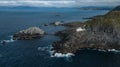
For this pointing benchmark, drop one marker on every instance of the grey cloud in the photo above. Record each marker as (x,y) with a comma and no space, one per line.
(59,3)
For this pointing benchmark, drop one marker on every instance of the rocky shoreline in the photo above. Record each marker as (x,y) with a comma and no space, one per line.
(102,33)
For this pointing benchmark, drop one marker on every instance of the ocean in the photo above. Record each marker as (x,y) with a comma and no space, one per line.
(36,53)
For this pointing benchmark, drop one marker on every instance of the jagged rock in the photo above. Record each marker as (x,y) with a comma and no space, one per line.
(30,33)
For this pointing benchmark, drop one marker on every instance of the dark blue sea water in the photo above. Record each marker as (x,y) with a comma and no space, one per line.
(35,53)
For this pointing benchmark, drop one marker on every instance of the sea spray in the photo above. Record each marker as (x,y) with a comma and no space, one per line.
(8,41)
(60,55)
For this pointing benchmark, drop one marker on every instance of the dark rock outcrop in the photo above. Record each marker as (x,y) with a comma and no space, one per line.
(101,33)
(30,33)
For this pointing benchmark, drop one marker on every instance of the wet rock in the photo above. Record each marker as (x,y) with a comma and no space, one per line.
(30,33)
(46,24)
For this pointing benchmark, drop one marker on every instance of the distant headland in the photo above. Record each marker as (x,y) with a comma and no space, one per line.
(101,33)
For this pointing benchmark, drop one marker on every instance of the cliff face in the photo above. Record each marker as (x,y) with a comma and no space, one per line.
(101,33)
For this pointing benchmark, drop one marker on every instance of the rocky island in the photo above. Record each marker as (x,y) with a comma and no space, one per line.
(102,33)
(30,33)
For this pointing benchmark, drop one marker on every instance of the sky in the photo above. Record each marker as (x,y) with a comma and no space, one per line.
(59,3)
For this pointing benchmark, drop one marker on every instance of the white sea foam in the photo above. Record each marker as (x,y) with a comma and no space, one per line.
(114,50)
(8,41)
(63,55)
(43,48)
(80,29)
(109,50)
(11,40)
(60,55)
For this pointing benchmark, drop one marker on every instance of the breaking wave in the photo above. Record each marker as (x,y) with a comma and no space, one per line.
(109,50)
(8,41)
(113,50)
(60,55)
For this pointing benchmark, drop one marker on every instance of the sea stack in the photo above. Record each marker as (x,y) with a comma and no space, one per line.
(28,34)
